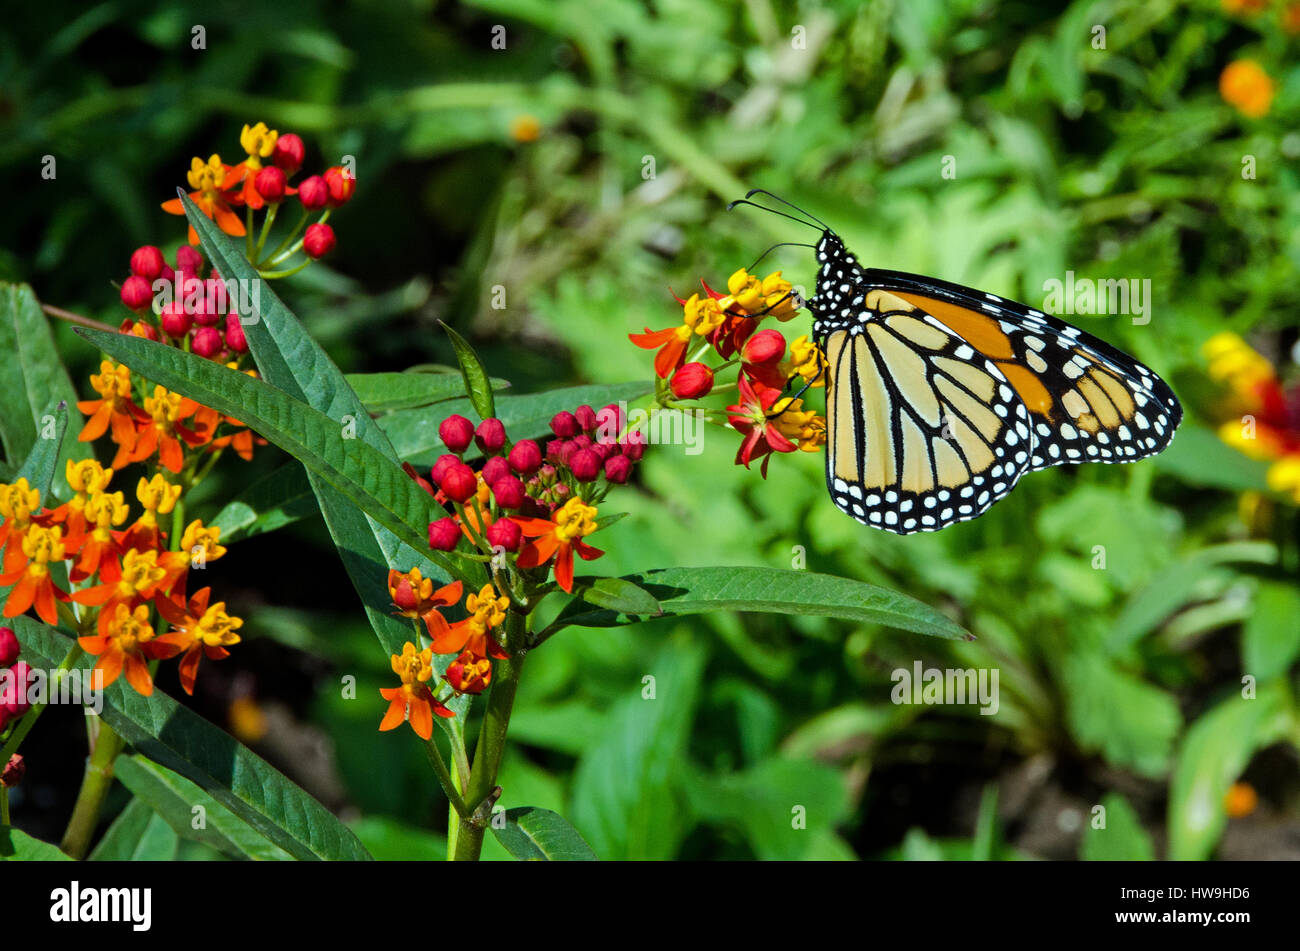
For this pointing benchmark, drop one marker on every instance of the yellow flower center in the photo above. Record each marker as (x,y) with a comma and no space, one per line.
(112,382)
(130,628)
(206,539)
(42,545)
(489,611)
(140,572)
(259,142)
(156,495)
(105,510)
(413,666)
(18,501)
(207,176)
(217,628)
(575,519)
(87,476)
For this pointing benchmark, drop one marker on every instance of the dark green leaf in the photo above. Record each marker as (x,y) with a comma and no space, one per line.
(18,846)
(42,462)
(532,834)
(273,501)
(380,392)
(119,842)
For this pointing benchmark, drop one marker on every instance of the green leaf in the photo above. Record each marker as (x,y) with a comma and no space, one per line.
(629,796)
(391,839)
(364,476)
(174,736)
(532,834)
(119,842)
(32,378)
(158,842)
(1199,457)
(18,846)
(415,432)
(288,358)
(619,594)
(1122,840)
(176,800)
(1270,638)
(277,499)
(1214,752)
(477,384)
(42,462)
(381,392)
(681,591)
(1131,722)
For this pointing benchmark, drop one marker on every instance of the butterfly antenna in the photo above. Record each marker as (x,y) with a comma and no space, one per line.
(743,201)
(788,204)
(783,244)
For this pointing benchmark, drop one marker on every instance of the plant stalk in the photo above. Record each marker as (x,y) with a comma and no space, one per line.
(94,787)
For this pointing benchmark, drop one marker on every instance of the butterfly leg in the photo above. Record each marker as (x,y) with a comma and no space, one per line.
(802,390)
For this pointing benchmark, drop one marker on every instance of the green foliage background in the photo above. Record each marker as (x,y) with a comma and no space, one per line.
(1120,685)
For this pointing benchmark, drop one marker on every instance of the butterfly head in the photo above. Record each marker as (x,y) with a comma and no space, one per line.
(838,275)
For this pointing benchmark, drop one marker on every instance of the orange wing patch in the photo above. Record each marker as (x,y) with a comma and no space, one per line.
(981,332)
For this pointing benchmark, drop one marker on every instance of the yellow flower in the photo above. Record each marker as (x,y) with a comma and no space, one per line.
(208,540)
(807,361)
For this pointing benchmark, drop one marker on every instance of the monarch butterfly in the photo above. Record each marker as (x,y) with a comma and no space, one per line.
(940,397)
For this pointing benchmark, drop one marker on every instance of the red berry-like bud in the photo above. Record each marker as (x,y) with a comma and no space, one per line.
(509,492)
(617,469)
(269,183)
(342,183)
(565,425)
(586,417)
(8,646)
(456,433)
(440,467)
(584,464)
(525,457)
(289,153)
(175,322)
(137,292)
(459,482)
(766,346)
(692,381)
(147,262)
(13,771)
(494,470)
(490,435)
(313,193)
(207,341)
(235,338)
(188,261)
(444,534)
(14,700)
(318,241)
(634,445)
(505,534)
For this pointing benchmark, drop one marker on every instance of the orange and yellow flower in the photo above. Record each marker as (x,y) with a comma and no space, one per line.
(198,629)
(33,585)
(1244,85)
(259,142)
(157,497)
(414,596)
(125,642)
(165,432)
(143,575)
(114,409)
(212,181)
(487,612)
(772,423)
(18,502)
(99,545)
(560,537)
(413,702)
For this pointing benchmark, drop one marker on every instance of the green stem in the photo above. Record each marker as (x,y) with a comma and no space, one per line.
(487,755)
(4,801)
(448,787)
(94,787)
(289,238)
(267,222)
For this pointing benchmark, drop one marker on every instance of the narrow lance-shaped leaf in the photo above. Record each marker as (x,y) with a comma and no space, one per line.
(42,462)
(477,384)
(380,392)
(179,739)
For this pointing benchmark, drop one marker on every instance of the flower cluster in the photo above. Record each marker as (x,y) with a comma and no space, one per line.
(1266,423)
(470,640)
(261,183)
(727,326)
(118,573)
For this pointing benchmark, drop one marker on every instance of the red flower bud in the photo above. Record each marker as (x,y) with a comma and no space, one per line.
(318,241)
(8,646)
(505,534)
(444,534)
(586,417)
(634,445)
(490,435)
(525,457)
(459,482)
(692,381)
(206,341)
(175,322)
(14,701)
(617,469)
(440,467)
(494,470)
(137,292)
(289,153)
(147,262)
(509,492)
(342,183)
(766,346)
(188,261)
(584,464)
(270,183)
(313,193)
(565,425)
(456,433)
(235,338)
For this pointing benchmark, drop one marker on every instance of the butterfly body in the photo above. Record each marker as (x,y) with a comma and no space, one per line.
(941,397)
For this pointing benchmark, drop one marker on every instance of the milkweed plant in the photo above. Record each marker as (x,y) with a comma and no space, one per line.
(463,568)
